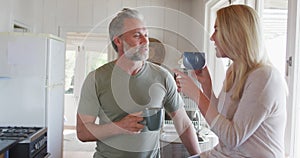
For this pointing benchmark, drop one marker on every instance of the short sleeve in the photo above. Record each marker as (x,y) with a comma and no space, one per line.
(173,99)
(88,102)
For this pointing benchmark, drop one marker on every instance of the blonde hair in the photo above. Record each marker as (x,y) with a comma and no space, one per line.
(241,38)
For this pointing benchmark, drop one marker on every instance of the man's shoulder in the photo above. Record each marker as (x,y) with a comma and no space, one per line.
(103,72)
(159,68)
(105,67)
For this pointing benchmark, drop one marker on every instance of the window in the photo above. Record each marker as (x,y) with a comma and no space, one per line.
(281,20)
(293,76)
(274,18)
(84,53)
(69,71)
(94,60)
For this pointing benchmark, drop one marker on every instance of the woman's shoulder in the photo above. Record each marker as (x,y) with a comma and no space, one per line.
(267,75)
(265,71)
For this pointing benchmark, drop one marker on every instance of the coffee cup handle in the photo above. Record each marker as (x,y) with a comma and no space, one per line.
(143,122)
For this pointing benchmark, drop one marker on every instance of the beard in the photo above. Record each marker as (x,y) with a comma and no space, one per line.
(137,53)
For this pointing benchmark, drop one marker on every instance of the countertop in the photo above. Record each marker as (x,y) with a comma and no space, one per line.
(172,147)
(7,144)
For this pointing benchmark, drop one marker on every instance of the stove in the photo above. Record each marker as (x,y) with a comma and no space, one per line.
(32,141)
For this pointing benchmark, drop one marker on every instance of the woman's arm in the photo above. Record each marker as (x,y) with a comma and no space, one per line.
(186,85)
(186,131)
(259,111)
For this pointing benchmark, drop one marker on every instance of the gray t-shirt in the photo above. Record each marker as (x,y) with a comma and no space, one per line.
(111,94)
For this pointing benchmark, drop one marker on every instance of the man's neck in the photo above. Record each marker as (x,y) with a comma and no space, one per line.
(129,66)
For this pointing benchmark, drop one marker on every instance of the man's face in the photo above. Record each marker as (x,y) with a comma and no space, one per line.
(135,41)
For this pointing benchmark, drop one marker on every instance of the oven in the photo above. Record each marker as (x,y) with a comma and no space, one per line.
(32,141)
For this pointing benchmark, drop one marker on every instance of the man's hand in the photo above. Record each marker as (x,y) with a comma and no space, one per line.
(130,123)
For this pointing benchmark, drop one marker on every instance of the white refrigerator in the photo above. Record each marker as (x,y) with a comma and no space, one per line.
(32,72)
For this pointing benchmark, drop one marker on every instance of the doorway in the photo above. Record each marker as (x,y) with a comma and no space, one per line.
(85,52)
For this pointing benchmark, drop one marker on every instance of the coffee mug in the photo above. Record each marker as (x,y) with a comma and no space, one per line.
(152,118)
(194,60)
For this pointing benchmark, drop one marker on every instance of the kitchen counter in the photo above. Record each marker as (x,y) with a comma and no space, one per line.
(5,145)
(172,147)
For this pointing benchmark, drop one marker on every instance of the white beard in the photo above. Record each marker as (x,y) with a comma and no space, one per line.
(137,53)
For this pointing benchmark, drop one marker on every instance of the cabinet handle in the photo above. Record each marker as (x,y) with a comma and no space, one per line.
(289,63)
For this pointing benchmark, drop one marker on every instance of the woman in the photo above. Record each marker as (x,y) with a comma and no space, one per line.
(249,115)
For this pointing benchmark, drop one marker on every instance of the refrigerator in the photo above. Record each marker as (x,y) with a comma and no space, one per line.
(32,72)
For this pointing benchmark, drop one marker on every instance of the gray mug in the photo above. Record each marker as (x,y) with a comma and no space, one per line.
(152,118)
(194,60)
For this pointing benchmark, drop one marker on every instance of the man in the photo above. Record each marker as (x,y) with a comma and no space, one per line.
(118,91)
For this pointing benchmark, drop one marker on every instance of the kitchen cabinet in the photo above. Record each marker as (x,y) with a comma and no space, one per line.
(5,145)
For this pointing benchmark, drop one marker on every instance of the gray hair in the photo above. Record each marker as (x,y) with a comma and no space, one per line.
(117,23)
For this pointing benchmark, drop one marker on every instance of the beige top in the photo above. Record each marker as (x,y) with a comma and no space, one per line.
(255,125)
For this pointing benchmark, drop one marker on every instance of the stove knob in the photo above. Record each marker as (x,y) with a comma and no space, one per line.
(36,146)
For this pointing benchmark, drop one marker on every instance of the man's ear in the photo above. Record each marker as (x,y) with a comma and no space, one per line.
(117,41)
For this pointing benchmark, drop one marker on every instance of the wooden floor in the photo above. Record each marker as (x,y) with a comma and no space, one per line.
(77,154)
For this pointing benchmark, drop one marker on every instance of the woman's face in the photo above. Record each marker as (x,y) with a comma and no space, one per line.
(219,51)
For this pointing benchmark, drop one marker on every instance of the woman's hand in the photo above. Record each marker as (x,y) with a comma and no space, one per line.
(203,76)
(186,85)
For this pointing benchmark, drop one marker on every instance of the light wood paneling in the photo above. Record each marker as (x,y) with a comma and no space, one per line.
(100,13)
(85,12)
(67,13)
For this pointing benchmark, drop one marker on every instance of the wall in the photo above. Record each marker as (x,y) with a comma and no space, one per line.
(170,21)
(26,13)
(5,13)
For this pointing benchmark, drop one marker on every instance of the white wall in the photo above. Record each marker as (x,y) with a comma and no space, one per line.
(22,12)
(5,13)
(170,21)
